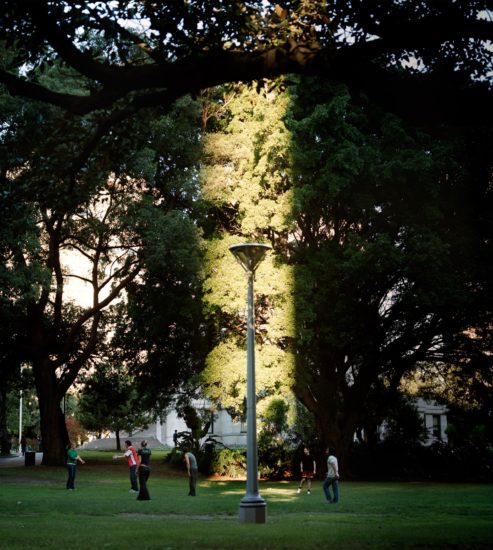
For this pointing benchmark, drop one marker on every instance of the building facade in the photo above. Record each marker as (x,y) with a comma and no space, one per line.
(232,433)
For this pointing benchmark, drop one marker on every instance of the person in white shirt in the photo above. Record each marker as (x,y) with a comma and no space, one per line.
(332,479)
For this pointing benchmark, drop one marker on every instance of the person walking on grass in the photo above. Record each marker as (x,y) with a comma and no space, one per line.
(192,469)
(308,469)
(332,479)
(72,458)
(131,455)
(144,470)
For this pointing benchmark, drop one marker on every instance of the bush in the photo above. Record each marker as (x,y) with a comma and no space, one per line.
(213,458)
(275,455)
(229,462)
(389,460)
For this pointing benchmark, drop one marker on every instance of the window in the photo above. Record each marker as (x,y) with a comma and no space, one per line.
(436,426)
(243,426)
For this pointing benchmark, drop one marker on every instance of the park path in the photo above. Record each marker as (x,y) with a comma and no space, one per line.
(14,461)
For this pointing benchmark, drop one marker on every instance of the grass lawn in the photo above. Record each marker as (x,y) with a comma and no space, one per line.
(36,511)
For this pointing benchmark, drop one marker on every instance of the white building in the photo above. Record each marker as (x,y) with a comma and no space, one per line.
(233,433)
(224,429)
(435,420)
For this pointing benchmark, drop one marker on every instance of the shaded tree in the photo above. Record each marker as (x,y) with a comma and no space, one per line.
(390,247)
(19,279)
(94,209)
(160,330)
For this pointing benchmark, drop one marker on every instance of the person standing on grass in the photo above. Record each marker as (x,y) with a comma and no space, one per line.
(72,458)
(308,469)
(23,444)
(332,479)
(192,469)
(131,455)
(144,470)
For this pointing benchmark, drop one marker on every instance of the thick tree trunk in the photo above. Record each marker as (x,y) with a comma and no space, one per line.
(338,434)
(4,435)
(54,435)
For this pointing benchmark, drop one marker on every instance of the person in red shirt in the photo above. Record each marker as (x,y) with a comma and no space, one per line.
(131,455)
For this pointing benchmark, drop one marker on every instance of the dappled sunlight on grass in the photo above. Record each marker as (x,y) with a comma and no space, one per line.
(285,493)
(280,490)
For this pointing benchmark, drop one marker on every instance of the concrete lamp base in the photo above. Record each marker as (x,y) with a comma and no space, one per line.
(253,512)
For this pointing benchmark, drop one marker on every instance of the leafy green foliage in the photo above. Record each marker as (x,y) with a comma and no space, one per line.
(110,402)
(275,442)
(160,329)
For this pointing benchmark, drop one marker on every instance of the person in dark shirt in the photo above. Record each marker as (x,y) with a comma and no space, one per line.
(308,469)
(144,470)
(23,444)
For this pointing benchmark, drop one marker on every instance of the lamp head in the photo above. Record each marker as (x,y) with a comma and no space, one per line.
(249,255)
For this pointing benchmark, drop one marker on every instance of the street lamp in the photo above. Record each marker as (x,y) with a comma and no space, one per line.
(253,508)
(21,408)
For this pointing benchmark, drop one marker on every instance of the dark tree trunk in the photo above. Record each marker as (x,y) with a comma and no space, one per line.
(54,435)
(336,432)
(118,443)
(5,443)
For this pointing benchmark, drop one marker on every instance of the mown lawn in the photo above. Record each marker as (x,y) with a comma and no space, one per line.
(36,511)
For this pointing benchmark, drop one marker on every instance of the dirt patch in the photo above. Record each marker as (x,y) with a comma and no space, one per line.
(195,517)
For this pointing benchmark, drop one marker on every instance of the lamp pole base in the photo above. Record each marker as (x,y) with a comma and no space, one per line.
(253,511)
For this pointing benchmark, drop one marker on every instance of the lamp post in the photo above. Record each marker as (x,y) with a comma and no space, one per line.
(21,408)
(20,417)
(253,508)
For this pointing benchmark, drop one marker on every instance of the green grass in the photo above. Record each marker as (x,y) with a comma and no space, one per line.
(37,512)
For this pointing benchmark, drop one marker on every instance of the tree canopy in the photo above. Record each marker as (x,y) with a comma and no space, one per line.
(428,59)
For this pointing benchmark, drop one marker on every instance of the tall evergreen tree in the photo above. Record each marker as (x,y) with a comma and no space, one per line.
(245,183)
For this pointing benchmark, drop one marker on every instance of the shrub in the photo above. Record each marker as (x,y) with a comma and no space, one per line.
(229,462)
(275,455)
(390,460)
